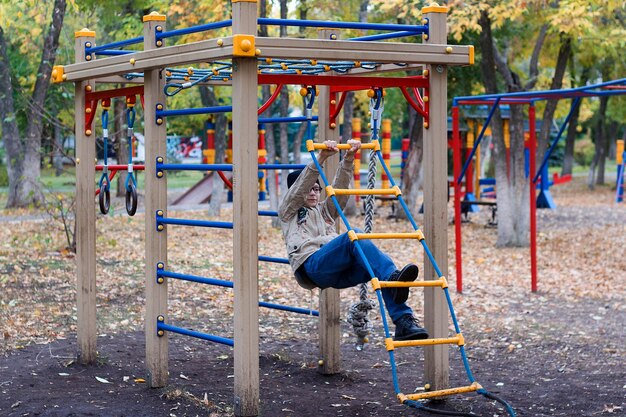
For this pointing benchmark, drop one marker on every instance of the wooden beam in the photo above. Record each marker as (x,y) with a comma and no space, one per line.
(245,218)
(287,48)
(156,199)
(435,209)
(330,311)
(85,214)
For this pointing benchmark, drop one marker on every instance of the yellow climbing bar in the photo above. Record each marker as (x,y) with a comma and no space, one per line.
(395,190)
(457,340)
(441,282)
(411,235)
(439,393)
(312,146)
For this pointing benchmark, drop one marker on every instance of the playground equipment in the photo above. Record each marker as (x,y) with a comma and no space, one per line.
(323,62)
(620,159)
(528,98)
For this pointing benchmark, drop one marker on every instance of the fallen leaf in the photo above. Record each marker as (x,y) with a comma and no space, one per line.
(182,376)
(17,404)
(140,380)
(104,381)
(63,374)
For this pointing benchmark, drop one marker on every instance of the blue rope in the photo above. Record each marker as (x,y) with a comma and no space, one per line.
(130,120)
(104,178)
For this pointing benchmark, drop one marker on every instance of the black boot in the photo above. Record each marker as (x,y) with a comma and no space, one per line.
(408,328)
(408,273)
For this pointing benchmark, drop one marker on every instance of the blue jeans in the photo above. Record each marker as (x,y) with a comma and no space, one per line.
(338,264)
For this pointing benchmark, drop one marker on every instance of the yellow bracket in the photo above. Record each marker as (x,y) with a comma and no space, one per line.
(330,191)
(389,343)
(402,398)
(375,283)
(310,145)
(58,74)
(471,54)
(397,190)
(444,282)
(420,235)
(352,235)
(461,339)
(243,46)
(376,144)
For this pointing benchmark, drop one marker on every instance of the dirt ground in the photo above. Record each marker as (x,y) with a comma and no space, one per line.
(557,352)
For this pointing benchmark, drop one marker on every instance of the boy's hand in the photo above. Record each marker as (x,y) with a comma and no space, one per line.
(355,145)
(331,149)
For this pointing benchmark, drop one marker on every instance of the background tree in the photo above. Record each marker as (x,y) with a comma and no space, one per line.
(23,145)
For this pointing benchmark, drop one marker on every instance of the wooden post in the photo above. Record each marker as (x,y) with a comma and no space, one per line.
(435,202)
(330,312)
(245,181)
(85,210)
(156,199)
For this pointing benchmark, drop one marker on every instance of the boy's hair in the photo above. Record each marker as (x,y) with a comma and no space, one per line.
(293,176)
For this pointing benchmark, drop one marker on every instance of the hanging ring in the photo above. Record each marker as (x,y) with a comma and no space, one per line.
(131,199)
(104,197)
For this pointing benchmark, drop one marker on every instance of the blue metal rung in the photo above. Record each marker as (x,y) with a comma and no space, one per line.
(197,223)
(274,260)
(341,25)
(298,119)
(194,29)
(268,213)
(199,110)
(193,333)
(194,167)
(194,278)
(289,308)
(113,45)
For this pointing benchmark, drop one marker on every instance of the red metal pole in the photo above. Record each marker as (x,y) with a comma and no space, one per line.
(533,199)
(456,158)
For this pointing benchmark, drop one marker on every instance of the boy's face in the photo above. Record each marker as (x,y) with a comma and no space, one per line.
(313,197)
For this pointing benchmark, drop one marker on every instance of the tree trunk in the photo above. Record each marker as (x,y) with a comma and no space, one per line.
(543,139)
(57,160)
(209,99)
(24,156)
(572,128)
(512,187)
(412,179)
(602,142)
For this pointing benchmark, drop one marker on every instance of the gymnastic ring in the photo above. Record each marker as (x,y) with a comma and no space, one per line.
(131,199)
(104,198)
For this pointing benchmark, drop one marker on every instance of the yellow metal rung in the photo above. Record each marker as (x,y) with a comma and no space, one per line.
(411,235)
(441,282)
(375,191)
(310,145)
(441,393)
(457,340)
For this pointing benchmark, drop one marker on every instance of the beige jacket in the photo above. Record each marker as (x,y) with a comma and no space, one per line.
(306,229)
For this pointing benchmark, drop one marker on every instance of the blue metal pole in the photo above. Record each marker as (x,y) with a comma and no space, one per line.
(194,167)
(198,223)
(193,333)
(478,140)
(114,52)
(199,110)
(194,29)
(285,119)
(113,45)
(384,36)
(341,25)
(556,140)
(274,260)
(289,308)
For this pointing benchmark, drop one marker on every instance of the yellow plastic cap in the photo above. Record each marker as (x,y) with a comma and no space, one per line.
(154,17)
(84,32)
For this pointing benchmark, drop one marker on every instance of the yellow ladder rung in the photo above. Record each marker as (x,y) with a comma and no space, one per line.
(411,235)
(457,340)
(441,282)
(364,191)
(310,146)
(440,393)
